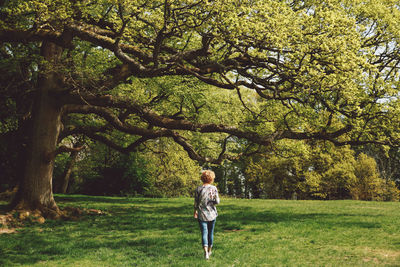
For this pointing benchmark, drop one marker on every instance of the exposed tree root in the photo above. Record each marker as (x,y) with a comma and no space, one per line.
(50,211)
(21,213)
(17,218)
(9,194)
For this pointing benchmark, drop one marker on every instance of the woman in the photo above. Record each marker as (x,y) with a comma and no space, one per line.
(205,199)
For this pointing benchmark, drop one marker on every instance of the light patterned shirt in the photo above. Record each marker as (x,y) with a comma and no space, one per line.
(205,199)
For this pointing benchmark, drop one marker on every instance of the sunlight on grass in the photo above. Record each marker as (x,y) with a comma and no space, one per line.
(162,232)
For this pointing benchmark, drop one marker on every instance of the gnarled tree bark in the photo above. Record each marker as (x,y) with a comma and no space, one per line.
(151,53)
(35,191)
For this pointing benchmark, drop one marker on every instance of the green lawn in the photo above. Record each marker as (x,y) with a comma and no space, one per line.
(162,232)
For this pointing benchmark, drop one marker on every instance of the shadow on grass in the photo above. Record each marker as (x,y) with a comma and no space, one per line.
(147,227)
(96,199)
(143,226)
(238,218)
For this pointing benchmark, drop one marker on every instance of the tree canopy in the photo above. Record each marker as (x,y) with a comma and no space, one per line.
(331,66)
(276,69)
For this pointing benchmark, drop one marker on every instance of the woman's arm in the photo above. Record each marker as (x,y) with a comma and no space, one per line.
(216,200)
(196,204)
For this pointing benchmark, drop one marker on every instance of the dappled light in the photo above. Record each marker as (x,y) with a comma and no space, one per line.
(110,112)
(145,231)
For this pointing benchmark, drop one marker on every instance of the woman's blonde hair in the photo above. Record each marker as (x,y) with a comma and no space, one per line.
(207,176)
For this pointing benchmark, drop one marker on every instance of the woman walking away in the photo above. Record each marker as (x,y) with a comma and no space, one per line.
(205,199)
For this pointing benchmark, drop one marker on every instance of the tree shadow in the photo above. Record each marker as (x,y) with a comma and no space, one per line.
(237,219)
(96,199)
(151,229)
(124,217)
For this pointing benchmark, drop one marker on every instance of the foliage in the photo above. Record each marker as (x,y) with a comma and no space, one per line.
(8,164)
(17,66)
(175,175)
(326,66)
(368,185)
(106,172)
(335,168)
(318,171)
(230,179)
(58,172)
(103,171)
(207,75)
(387,160)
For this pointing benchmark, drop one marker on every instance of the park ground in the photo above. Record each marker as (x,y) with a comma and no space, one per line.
(162,232)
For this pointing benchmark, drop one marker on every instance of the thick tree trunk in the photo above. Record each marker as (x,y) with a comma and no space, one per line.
(35,191)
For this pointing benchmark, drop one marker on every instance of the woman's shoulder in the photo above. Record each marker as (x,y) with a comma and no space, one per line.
(199,188)
(209,187)
(213,187)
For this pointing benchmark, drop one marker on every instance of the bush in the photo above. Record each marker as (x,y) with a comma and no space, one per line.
(127,176)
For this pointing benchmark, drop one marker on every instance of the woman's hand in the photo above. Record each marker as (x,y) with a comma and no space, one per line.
(195,214)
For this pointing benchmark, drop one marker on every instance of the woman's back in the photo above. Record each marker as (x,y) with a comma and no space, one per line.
(206,197)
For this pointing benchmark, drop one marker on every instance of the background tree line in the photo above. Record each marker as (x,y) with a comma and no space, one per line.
(288,170)
(295,170)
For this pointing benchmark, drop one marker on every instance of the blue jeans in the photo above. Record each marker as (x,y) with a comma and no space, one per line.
(207,233)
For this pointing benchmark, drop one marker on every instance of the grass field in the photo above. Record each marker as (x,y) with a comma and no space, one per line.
(162,232)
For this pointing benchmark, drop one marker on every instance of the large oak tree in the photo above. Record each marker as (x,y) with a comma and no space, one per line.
(325,70)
